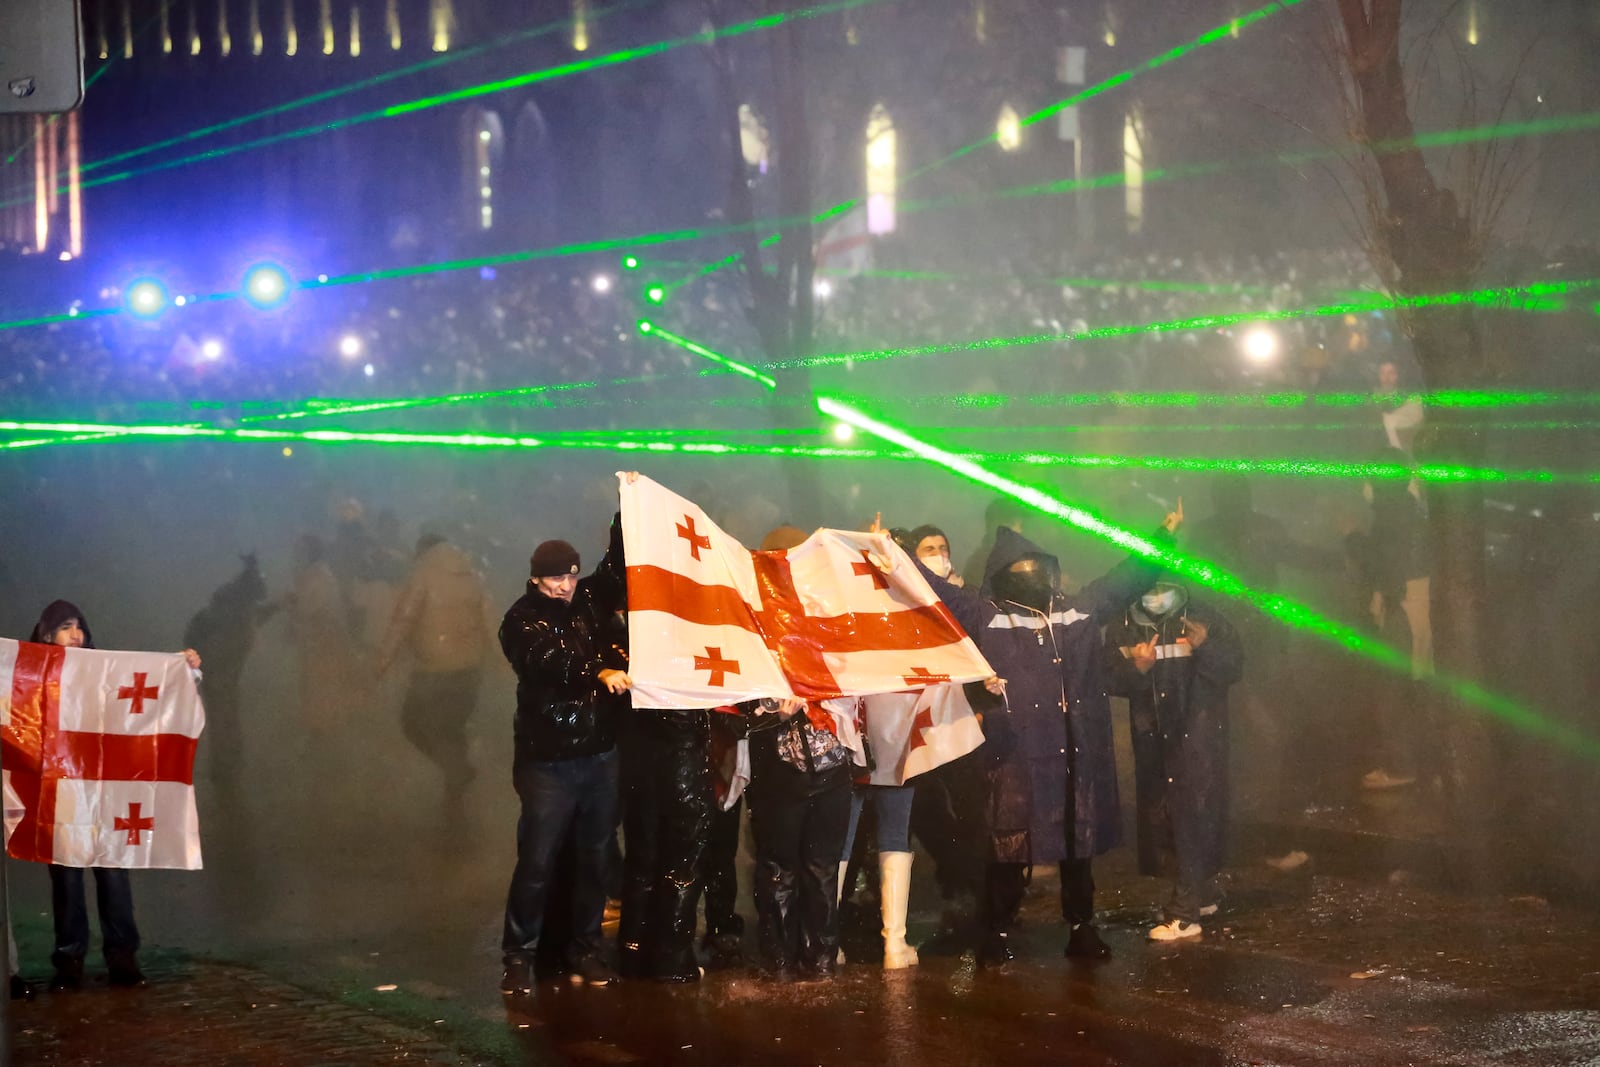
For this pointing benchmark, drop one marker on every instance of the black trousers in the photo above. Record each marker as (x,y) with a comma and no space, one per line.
(800,820)
(667,799)
(119,934)
(434,718)
(717,871)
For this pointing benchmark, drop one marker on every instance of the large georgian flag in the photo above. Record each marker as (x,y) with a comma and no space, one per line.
(98,753)
(710,622)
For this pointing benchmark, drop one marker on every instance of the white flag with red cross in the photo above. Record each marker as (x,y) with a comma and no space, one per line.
(710,622)
(98,750)
(914,732)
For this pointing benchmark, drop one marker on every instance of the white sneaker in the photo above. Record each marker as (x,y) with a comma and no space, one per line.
(1208,910)
(1382,779)
(1175,930)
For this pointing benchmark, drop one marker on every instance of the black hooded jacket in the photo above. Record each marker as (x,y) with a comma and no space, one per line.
(558,650)
(51,618)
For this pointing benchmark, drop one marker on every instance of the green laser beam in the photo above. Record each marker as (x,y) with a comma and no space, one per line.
(1215,577)
(1230,28)
(1527,297)
(113,430)
(454,56)
(650,329)
(612,59)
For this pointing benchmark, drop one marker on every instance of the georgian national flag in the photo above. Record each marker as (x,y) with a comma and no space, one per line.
(710,622)
(98,753)
(914,732)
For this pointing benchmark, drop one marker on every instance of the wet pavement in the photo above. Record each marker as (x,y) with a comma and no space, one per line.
(1302,968)
(343,918)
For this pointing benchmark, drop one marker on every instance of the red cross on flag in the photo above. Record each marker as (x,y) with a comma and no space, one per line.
(98,755)
(711,623)
(914,732)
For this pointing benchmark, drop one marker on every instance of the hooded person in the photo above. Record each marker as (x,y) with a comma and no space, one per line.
(1174,659)
(63,624)
(1053,774)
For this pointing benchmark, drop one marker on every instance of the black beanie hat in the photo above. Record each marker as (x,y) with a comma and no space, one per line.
(552,559)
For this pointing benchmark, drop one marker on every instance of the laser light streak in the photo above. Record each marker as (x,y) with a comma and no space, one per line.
(1213,576)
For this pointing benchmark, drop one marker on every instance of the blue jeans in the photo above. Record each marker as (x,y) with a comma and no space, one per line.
(892,805)
(561,796)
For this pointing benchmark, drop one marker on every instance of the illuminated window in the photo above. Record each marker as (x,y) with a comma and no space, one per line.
(100,31)
(1472,22)
(194,29)
(580,25)
(224,38)
(485,144)
(391,22)
(165,30)
(980,21)
(127,30)
(753,139)
(355,30)
(257,42)
(1008,131)
(881,171)
(325,18)
(1133,170)
(443,23)
(290,34)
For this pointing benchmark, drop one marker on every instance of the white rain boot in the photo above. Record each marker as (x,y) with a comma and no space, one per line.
(894,881)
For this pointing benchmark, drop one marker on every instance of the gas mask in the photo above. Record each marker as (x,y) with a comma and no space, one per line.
(1030,582)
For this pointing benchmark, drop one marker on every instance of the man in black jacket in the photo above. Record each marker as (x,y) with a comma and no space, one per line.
(562,640)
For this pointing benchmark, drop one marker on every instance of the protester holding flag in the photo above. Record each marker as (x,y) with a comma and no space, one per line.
(571,686)
(62,624)
(1053,783)
(938,727)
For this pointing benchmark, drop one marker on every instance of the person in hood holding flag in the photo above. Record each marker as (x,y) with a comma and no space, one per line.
(1174,659)
(1053,776)
(62,624)
(572,685)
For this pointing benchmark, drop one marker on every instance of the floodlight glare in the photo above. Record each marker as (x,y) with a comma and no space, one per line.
(211,349)
(1260,345)
(350,346)
(823,288)
(601,283)
(266,285)
(367,370)
(147,298)
(843,432)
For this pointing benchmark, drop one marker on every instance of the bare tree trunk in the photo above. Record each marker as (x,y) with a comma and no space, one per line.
(1431,249)
(781,301)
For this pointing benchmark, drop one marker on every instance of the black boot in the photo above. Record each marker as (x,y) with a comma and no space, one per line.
(994,951)
(777,925)
(517,978)
(69,974)
(21,988)
(819,919)
(673,959)
(1084,943)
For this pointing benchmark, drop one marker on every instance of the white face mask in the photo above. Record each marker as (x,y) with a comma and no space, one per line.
(938,564)
(1159,603)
